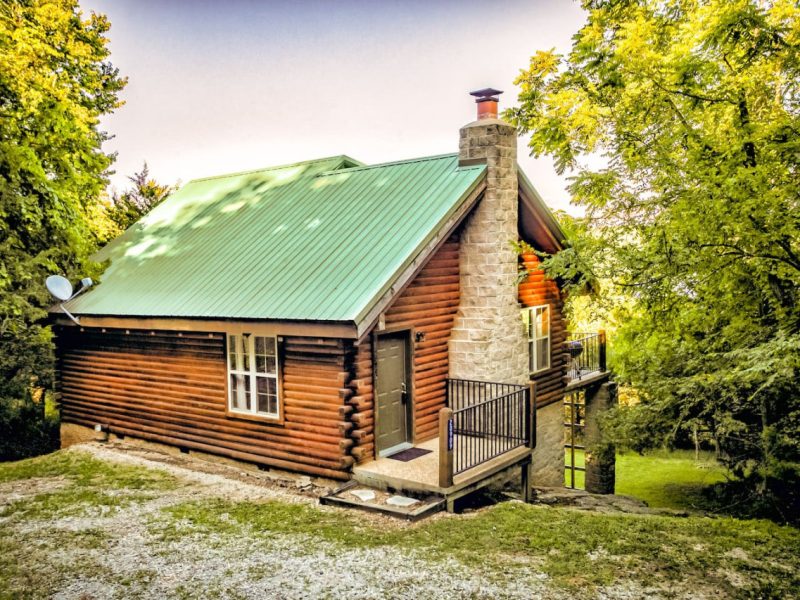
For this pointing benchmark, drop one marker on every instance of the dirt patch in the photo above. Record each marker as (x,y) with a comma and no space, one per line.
(225,481)
(230,482)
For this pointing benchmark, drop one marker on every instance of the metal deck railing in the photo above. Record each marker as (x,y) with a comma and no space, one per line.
(485,420)
(587,354)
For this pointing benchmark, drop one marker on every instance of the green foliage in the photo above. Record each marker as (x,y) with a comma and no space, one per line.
(133,204)
(55,83)
(679,121)
(665,479)
(568,266)
(25,430)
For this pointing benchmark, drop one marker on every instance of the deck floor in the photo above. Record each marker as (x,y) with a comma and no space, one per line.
(424,469)
(422,473)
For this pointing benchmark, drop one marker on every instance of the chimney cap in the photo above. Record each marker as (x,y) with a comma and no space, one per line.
(486,94)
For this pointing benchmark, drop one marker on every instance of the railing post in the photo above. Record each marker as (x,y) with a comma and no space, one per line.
(446,435)
(531,425)
(601,340)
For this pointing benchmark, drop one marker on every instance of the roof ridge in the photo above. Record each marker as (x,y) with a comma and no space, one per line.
(343,157)
(395,163)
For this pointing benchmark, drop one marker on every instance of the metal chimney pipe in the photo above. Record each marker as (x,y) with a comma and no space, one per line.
(487,100)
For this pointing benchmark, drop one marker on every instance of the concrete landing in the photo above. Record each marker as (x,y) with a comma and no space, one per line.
(355,495)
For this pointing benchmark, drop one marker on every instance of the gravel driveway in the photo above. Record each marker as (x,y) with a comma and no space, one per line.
(134,561)
(115,521)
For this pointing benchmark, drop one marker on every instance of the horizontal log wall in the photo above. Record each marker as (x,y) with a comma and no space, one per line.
(363,432)
(171,388)
(429,305)
(538,290)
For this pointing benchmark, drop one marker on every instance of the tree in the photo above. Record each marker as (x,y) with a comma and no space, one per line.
(55,83)
(134,203)
(680,122)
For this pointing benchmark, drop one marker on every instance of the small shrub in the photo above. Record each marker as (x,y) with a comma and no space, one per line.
(26,430)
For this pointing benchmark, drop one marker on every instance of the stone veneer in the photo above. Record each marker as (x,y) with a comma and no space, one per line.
(600,454)
(548,457)
(487,342)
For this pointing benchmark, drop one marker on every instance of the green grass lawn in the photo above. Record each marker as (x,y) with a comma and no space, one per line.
(663,479)
(668,479)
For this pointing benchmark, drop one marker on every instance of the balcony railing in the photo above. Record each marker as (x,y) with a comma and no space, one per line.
(482,421)
(587,354)
(462,393)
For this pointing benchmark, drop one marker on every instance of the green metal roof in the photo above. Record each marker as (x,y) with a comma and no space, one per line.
(320,240)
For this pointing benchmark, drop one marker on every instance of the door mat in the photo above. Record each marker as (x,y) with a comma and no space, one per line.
(410,454)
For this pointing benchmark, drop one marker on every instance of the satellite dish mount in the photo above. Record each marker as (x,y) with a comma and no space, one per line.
(61,289)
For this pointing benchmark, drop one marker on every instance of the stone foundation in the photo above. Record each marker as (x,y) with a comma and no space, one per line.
(224,460)
(146,444)
(600,455)
(548,456)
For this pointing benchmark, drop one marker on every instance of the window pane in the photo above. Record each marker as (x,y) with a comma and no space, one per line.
(240,392)
(542,353)
(231,351)
(265,355)
(261,385)
(267,388)
(526,322)
(245,346)
(532,356)
(270,365)
(273,405)
(542,321)
(263,403)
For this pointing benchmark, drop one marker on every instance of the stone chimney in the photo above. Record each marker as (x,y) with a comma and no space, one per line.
(487,341)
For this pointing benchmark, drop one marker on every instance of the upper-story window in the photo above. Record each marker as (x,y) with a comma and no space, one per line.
(253,375)
(537,326)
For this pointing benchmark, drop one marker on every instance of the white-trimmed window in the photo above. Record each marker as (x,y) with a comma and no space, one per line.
(536,321)
(253,375)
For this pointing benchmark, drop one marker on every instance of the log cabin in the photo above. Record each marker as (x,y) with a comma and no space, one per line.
(324,316)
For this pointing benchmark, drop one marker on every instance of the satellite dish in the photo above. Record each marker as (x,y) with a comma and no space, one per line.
(59,287)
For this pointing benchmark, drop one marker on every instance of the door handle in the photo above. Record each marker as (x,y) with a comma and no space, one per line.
(403,392)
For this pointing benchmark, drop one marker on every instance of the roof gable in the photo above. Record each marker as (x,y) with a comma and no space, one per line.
(321,241)
(536,223)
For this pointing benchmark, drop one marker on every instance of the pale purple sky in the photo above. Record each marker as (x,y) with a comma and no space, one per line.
(217,87)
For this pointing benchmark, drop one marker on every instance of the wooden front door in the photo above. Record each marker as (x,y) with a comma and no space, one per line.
(392,391)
